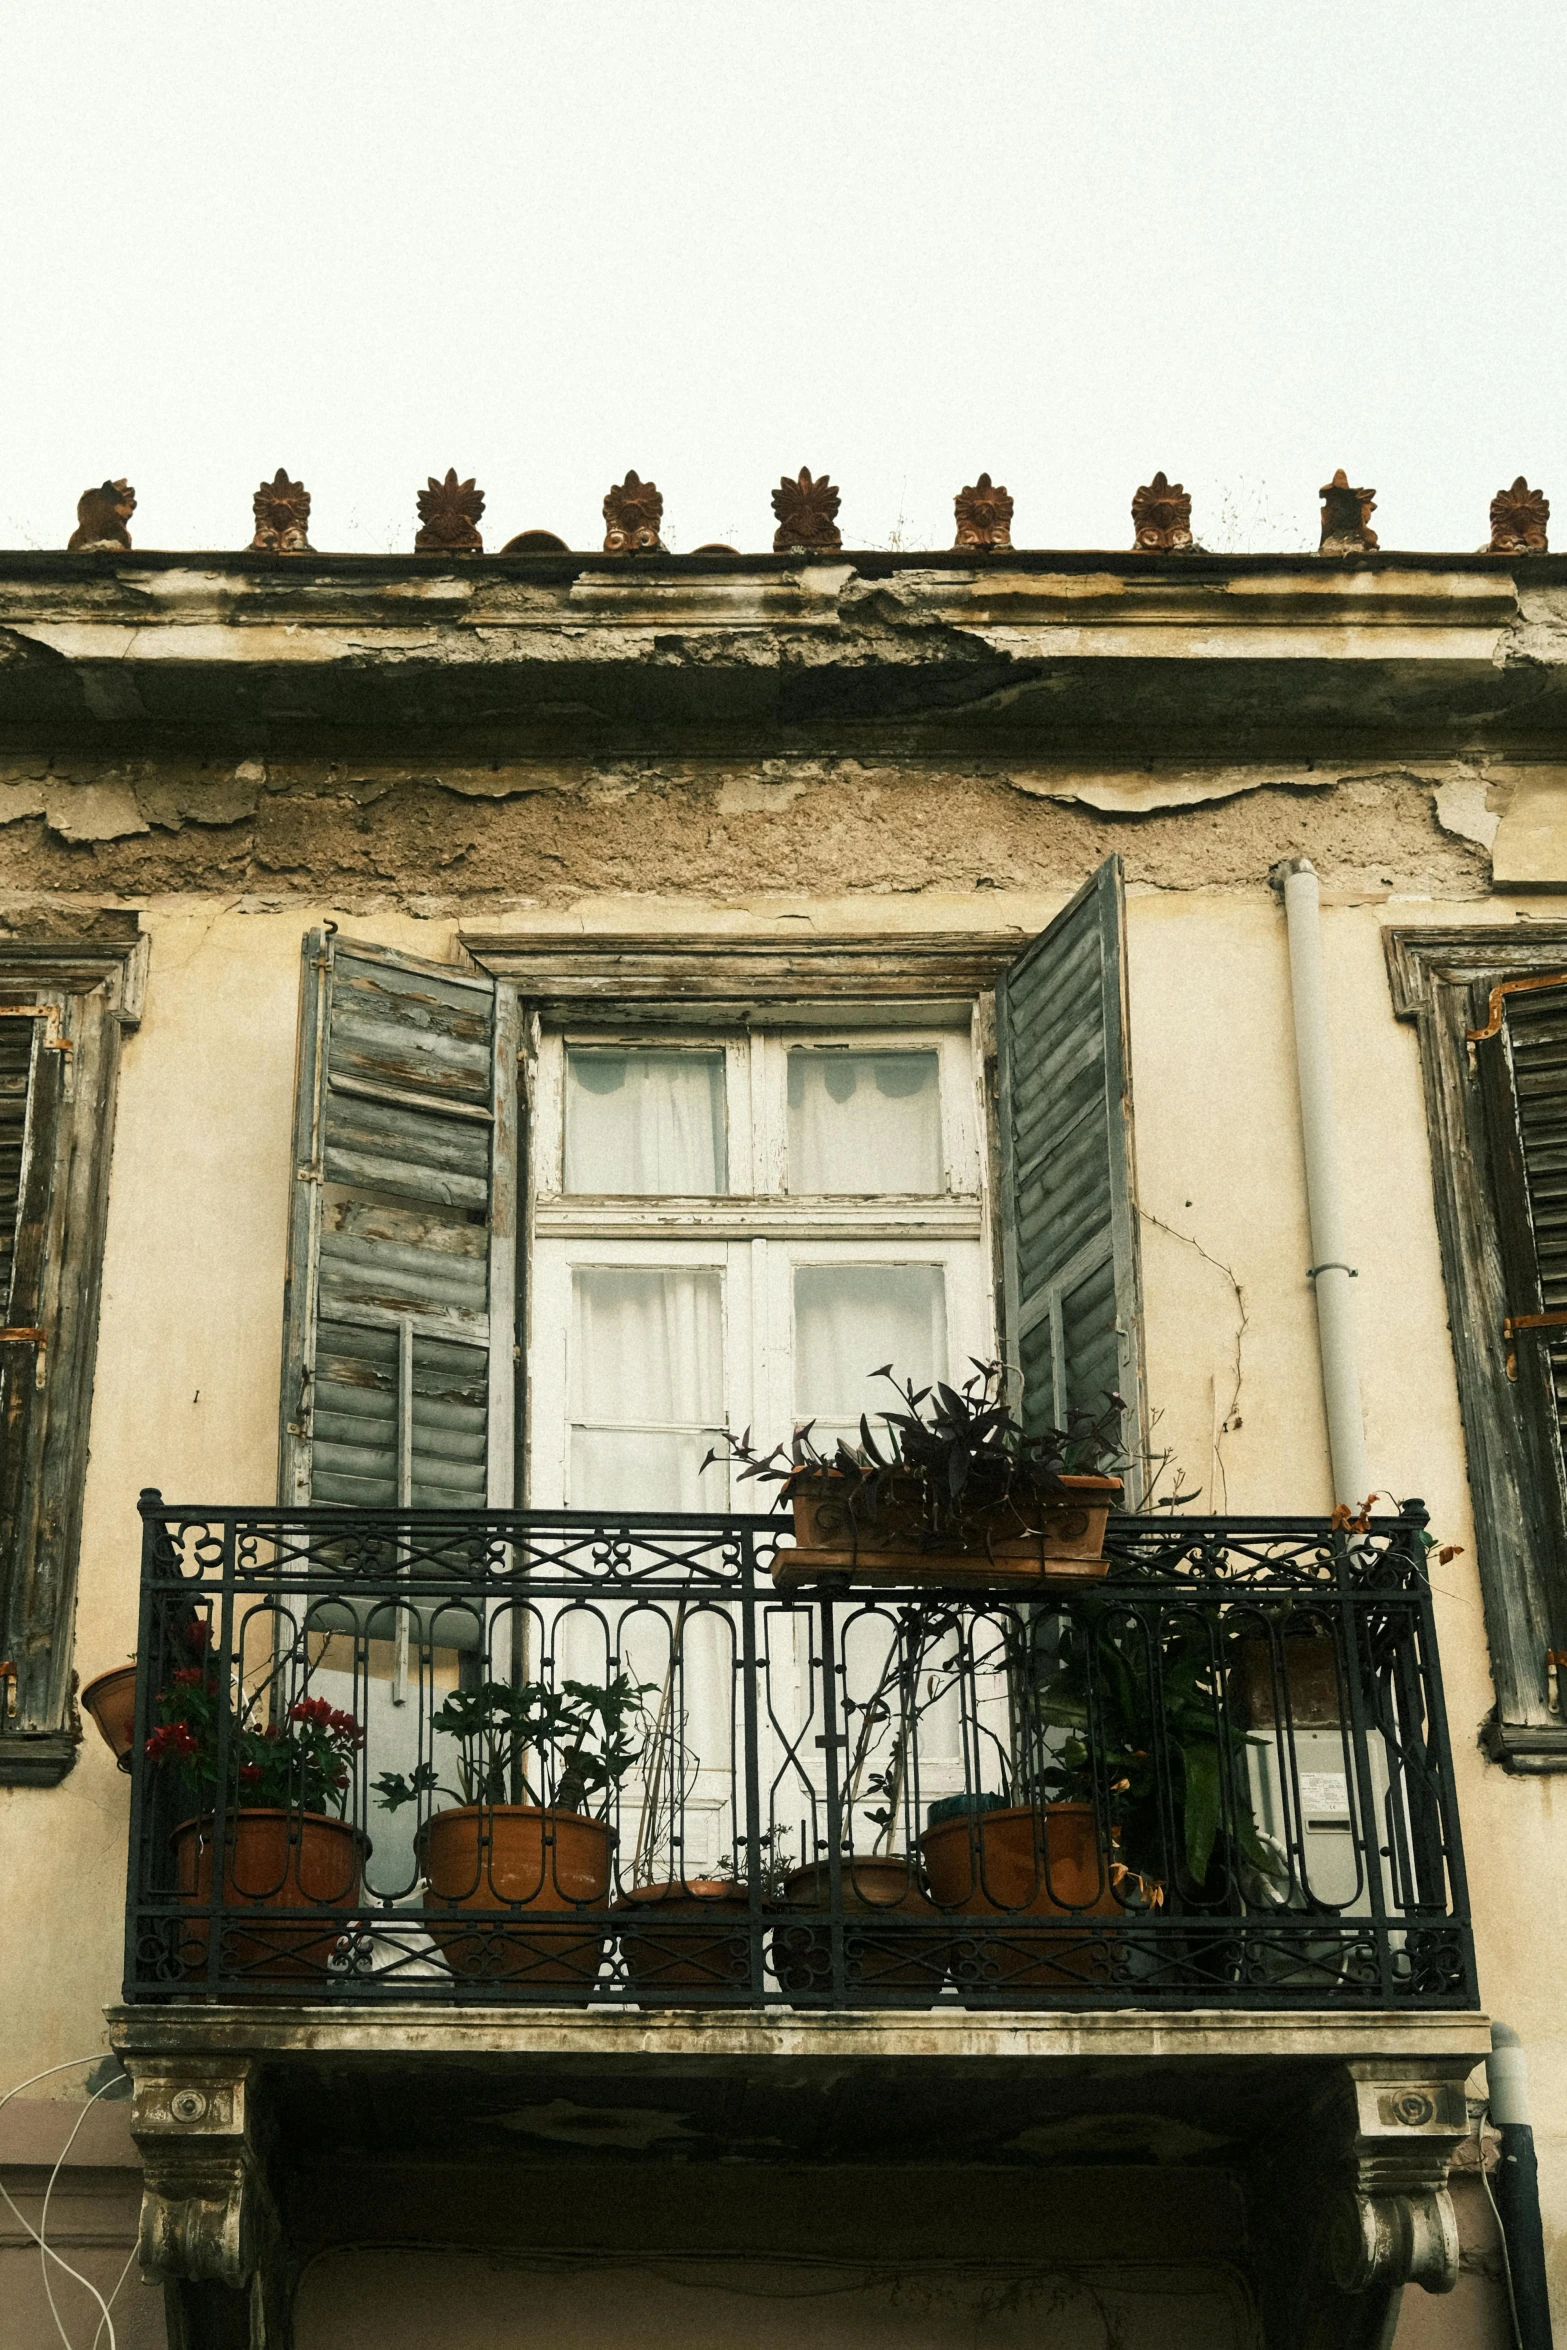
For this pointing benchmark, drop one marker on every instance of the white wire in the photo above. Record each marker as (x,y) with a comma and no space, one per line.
(69,2066)
(105,2320)
(1481,2118)
(45,2255)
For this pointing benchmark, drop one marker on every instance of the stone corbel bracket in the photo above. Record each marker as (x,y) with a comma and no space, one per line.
(1393,2223)
(207,2215)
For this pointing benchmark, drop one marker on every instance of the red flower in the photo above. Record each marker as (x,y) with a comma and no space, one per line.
(249,1773)
(189,1675)
(175,1738)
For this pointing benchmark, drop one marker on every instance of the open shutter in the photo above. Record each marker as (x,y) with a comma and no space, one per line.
(1069,1232)
(31,1079)
(1521,1060)
(401,1298)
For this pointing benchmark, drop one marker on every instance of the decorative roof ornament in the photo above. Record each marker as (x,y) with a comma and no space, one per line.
(101,517)
(984,518)
(1518,520)
(1162,519)
(282,511)
(633,511)
(1346,517)
(449,514)
(807,512)
(535,542)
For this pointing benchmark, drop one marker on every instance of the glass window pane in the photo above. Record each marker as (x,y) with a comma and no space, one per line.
(647,1387)
(864,1122)
(648,1122)
(848,1321)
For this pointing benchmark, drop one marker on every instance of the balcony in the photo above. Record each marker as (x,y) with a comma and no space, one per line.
(565,1759)
(565,1839)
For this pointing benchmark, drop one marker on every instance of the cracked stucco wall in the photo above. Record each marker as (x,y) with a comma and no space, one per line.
(483,836)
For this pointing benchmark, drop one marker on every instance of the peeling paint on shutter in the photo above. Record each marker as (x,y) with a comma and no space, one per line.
(1069,1233)
(17,1045)
(398,1379)
(1522,1062)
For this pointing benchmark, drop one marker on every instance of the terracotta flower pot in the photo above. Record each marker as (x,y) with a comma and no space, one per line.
(510,1865)
(277,1863)
(1041,1873)
(688,1938)
(885,1885)
(111,1700)
(1060,1541)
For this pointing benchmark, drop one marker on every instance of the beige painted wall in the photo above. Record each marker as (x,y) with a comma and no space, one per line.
(355,2302)
(186,1391)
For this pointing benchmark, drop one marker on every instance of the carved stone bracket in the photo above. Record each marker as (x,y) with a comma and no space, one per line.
(1394,2223)
(1355,2206)
(208,2219)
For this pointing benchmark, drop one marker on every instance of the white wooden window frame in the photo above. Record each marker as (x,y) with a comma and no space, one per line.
(759,1232)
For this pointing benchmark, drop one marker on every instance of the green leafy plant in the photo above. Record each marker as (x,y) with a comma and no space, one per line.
(499,1729)
(947,1463)
(303,1763)
(1119,1689)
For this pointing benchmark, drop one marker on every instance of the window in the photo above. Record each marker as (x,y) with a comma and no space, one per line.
(737,1231)
(751,1171)
(62,1010)
(1491,1008)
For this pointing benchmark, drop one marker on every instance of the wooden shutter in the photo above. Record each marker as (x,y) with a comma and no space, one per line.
(1521,1059)
(1069,1232)
(400,1328)
(30,1081)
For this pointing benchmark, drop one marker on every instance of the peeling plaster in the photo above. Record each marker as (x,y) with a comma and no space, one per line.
(1463,807)
(94,811)
(20,799)
(1117,793)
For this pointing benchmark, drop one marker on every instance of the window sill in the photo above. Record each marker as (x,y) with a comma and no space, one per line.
(36,1758)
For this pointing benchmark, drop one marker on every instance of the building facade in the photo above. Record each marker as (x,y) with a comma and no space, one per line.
(479,1032)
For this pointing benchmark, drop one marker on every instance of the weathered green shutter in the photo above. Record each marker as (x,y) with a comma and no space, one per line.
(1069,1230)
(1521,1058)
(401,1298)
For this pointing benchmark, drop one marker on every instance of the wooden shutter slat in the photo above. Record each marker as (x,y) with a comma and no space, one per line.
(403,1111)
(1073,1296)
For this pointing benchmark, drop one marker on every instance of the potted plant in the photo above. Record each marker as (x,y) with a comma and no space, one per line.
(957,1493)
(111,1700)
(287,1847)
(692,1933)
(878,1884)
(508,1852)
(1083,1832)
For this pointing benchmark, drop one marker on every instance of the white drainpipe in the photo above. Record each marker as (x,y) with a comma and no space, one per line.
(1331,1273)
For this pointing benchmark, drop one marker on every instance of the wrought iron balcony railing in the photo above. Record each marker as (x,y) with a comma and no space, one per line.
(556,1757)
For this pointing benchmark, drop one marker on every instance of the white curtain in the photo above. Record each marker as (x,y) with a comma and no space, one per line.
(864,1122)
(647,1387)
(850,1319)
(645,1122)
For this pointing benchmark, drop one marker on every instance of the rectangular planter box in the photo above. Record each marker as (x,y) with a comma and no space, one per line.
(1067,1545)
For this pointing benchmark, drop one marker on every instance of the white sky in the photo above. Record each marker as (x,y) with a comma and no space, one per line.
(1066,242)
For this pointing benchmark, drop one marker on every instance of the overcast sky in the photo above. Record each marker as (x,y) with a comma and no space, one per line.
(1067,242)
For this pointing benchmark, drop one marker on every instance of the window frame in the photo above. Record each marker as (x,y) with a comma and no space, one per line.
(1441,980)
(91,993)
(569,1232)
